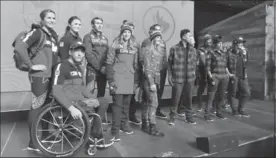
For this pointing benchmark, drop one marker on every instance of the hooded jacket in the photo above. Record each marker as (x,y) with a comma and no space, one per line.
(47,55)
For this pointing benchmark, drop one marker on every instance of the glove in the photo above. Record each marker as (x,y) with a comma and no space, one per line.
(112,88)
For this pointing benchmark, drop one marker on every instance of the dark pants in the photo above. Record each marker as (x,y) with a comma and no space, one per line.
(120,111)
(238,88)
(39,89)
(101,84)
(182,91)
(202,84)
(100,79)
(220,88)
(160,90)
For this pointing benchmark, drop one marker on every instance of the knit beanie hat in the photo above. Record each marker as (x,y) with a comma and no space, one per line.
(126,27)
(155,34)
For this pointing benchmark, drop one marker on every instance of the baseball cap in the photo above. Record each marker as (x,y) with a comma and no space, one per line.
(239,39)
(78,44)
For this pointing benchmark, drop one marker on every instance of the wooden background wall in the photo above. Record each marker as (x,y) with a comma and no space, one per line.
(252,25)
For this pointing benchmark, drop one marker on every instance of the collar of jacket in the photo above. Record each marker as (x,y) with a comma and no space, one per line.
(69,33)
(181,45)
(95,33)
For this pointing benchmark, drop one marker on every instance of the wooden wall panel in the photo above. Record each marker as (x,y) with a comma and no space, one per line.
(255,25)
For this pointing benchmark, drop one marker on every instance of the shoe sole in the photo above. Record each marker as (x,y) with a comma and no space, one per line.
(191,122)
(222,118)
(32,149)
(115,140)
(135,123)
(171,124)
(161,117)
(244,116)
(127,132)
(181,115)
(50,141)
(105,145)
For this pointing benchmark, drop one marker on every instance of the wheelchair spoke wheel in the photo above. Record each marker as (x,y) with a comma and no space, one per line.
(56,133)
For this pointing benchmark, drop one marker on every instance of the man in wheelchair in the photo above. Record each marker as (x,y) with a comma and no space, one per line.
(70,91)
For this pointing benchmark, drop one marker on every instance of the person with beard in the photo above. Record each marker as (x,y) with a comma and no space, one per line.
(239,87)
(216,67)
(40,66)
(153,61)
(122,64)
(71,95)
(201,69)
(96,51)
(181,75)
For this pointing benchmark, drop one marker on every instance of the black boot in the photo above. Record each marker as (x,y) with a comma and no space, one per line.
(145,126)
(155,132)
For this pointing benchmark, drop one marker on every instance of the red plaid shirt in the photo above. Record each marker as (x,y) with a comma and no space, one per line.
(216,63)
(182,63)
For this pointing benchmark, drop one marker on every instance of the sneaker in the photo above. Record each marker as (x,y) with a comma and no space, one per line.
(191,121)
(106,122)
(172,121)
(200,110)
(159,114)
(134,120)
(208,118)
(32,148)
(235,113)
(193,114)
(107,141)
(226,106)
(213,111)
(115,137)
(220,116)
(181,114)
(126,130)
(244,114)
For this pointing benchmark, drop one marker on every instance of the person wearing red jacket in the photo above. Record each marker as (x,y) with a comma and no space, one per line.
(40,66)
(71,95)
(96,51)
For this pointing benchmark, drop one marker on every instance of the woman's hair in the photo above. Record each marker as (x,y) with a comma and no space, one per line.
(70,20)
(44,13)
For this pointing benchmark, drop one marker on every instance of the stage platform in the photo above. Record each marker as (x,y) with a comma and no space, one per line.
(256,135)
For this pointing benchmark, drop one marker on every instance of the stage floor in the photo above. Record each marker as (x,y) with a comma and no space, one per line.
(179,139)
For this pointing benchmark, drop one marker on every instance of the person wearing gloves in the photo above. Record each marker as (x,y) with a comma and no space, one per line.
(122,64)
(153,61)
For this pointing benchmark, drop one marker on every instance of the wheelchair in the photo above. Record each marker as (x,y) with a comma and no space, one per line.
(56,134)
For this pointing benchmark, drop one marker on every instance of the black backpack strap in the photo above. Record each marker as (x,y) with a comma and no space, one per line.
(41,41)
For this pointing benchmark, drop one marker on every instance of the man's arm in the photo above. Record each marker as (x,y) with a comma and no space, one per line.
(90,54)
(208,64)
(147,69)
(110,60)
(58,93)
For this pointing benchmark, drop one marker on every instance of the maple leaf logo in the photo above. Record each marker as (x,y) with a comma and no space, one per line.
(159,20)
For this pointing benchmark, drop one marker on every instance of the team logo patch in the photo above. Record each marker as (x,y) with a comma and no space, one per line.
(61,44)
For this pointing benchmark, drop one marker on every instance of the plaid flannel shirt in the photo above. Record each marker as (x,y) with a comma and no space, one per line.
(182,63)
(233,64)
(216,63)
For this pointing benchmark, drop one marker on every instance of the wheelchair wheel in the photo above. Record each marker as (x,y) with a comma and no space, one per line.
(56,134)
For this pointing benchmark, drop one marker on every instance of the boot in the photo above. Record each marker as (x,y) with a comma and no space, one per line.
(145,126)
(155,132)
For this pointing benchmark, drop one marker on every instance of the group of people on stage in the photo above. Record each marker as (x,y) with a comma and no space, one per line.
(71,67)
